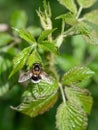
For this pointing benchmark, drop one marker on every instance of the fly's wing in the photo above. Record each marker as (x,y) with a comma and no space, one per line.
(45,77)
(24,77)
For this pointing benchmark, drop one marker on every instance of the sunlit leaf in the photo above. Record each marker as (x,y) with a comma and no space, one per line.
(88,33)
(69,4)
(92,17)
(24,34)
(44,88)
(33,107)
(34,57)
(5,38)
(18,19)
(86,3)
(70,117)
(76,75)
(44,35)
(69,18)
(92,38)
(80,96)
(20,60)
(49,46)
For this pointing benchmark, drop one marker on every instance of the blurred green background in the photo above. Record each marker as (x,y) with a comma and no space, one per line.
(74,51)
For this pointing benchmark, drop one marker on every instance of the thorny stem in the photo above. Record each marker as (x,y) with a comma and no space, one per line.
(62,92)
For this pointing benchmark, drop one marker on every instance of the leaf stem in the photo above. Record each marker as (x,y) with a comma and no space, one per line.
(62,93)
(69,32)
(63,26)
(79,12)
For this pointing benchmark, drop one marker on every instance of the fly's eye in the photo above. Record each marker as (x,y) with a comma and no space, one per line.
(36,68)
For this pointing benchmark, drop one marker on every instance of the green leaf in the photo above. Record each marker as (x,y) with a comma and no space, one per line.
(44,88)
(20,60)
(70,117)
(83,28)
(86,3)
(5,38)
(88,33)
(24,34)
(33,107)
(76,75)
(34,57)
(91,38)
(81,97)
(92,17)
(19,19)
(69,4)
(45,34)
(69,18)
(48,46)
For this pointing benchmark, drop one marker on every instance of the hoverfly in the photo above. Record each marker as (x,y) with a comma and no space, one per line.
(36,74)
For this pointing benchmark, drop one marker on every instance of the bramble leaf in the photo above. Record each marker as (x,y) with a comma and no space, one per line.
(80,96)
(69,4)
(70,117)
(49,46)
(76,75)
(44,88)
(45,34)
(20,60)
(24,34)
(39,97)
(88,33)
(92,17)
(33,107)
(69,18)
(86,3)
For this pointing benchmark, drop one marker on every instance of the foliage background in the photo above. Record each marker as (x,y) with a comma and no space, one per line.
(12,120)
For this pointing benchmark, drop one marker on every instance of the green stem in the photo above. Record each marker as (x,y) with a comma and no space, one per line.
(69,32)
(63,26)
(62,93)
(79,12)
